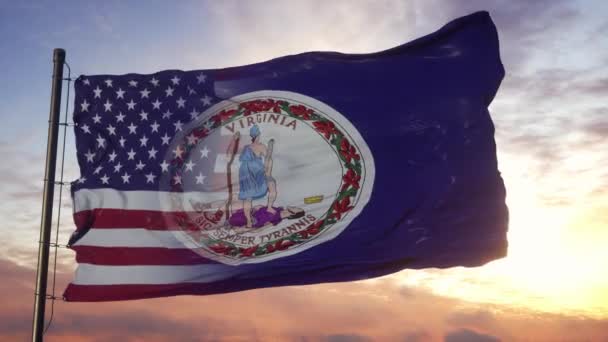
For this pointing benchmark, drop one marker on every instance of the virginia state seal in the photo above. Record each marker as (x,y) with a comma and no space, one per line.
(265,175)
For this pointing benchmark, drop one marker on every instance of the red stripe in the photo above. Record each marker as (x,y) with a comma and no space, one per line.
(103,293)
(138,256)
(148,219)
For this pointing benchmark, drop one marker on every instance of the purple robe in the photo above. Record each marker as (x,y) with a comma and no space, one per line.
(259,217)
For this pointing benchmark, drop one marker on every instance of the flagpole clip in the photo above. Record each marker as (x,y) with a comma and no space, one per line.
(67,124)
(52,244)
(57,182)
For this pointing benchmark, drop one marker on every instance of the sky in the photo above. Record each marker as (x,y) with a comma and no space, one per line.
(551,119)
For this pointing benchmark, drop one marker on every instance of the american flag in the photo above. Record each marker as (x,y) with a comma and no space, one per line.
(125,127)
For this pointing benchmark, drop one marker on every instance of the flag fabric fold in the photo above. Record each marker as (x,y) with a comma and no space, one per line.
(311,168)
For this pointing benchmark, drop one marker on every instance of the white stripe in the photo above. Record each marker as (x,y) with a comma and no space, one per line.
(89,274)
(135,237)
(89,199)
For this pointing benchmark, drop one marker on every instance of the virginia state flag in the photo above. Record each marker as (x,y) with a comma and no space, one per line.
(311,168)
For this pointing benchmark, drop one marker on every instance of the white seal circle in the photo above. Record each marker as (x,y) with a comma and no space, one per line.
(265,175)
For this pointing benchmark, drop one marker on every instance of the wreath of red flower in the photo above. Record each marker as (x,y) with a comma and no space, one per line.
(351,180)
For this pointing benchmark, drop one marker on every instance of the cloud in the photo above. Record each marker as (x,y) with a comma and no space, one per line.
(479,318)
(466,335)
(417,336)
(548,86)
(597,124)
(134,325)
(355,311)
(346,338)
(339,26)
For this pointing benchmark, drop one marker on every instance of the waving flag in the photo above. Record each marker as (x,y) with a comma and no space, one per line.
(317,167)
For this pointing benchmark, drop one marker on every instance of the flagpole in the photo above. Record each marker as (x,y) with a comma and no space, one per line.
(47,199)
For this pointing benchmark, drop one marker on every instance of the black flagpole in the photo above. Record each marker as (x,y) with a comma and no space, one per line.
(47,199)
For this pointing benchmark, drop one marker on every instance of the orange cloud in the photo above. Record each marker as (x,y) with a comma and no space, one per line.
(376,310)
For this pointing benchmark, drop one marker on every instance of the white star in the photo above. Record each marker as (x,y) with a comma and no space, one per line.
(201,78)
(122,141)
(150,177)
(120,117)
(152,153)
(167,114)
(84,106)
(177,179)
(200,179)
(112,156)
(164,166)
(144,116)
(125,178)
(132,128)
(178,125)
(117,167)
(97,118)
(131,105)
(169,91)
(165,139)
(132,83)
(97,92)
(206,100)
(104,179)
(181,103)
(143,140)
(82,180)
(154,127)
(120,93)
(131,155)
(144,93)
(89,156)
(191,91)
(97,170)
(111,130)
(108,105)
(156,104)
(108,83)
(193,114)
(192,139)
(178,152)
(189,165)
(175,80)
(86,81)
(154,81)
(140,165)
(204,152)
(101,142)
(85,128)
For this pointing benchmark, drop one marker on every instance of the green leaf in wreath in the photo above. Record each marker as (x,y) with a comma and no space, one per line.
(348,193)
(285,107)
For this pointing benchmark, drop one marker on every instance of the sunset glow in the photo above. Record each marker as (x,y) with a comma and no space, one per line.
(551,121)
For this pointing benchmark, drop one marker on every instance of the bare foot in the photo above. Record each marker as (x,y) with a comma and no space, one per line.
(271,210)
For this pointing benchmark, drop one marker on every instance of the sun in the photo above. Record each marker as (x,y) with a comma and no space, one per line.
(555,260)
